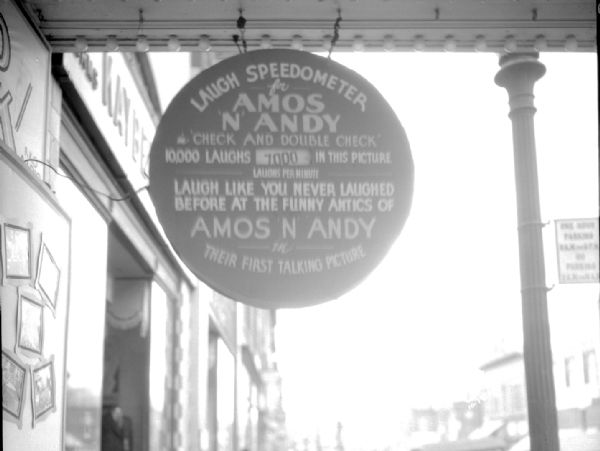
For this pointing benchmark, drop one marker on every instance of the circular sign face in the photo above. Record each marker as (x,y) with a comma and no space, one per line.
(281,178)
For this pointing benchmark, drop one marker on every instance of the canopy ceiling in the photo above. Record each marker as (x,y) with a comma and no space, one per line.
(459,25)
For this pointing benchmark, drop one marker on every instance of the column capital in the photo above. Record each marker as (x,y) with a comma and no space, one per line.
(519,71)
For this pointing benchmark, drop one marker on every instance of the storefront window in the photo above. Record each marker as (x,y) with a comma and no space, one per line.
(244,406)
(225,397)
(590,367)
(247,410)
(160,370)
(85,338)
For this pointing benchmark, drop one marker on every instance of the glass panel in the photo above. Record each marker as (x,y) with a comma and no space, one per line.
(590,368)
(569,367)
(160,369)
(85,338)
(225,400)
(211,406)
(244,406)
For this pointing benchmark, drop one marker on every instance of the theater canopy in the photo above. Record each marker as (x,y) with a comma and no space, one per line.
(465,25)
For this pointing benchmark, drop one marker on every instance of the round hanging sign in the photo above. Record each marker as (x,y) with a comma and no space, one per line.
(281,178)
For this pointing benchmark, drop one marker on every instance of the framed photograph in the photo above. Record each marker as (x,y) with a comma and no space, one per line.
(14,374)
(48,276)
(17,252)
(43,390)
(1,257)
(30,324)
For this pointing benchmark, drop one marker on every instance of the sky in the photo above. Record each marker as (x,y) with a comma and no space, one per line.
(446,298)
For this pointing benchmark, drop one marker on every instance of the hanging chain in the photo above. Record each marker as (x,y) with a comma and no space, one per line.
(241,25)
(336,32)
(140,21)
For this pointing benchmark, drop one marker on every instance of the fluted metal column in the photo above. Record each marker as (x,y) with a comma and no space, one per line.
(518,74)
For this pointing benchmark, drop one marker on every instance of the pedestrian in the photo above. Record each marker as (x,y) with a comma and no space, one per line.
(113,432)
(127,433)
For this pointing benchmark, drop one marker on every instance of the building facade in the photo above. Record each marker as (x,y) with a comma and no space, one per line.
(97,310)
(576,374)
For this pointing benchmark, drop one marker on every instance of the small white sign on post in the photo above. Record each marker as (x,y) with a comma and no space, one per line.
(578,250)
